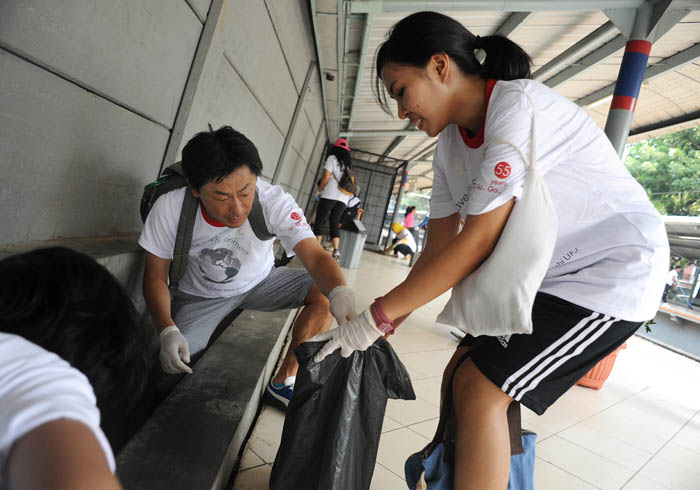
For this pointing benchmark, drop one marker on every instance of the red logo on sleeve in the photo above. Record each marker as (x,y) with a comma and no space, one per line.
(502,170)
(295,216)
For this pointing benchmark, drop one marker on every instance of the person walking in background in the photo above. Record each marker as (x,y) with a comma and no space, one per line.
(671,281)
(333,200)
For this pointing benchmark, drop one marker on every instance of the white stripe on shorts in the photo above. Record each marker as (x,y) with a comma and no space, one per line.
(569,345)
(600,331)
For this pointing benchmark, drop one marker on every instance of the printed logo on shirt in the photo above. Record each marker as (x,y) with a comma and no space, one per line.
(467,195)
(295,216)
(502,170)
(565,258)
(218,265)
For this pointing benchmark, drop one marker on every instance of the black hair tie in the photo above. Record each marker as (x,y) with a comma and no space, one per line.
(477,42)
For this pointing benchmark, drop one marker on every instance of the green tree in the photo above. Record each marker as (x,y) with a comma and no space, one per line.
(668,167)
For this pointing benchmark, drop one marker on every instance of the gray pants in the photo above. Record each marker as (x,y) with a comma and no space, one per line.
(197,317)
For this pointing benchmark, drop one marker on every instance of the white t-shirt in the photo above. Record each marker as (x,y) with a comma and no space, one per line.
(37,387)
(331,190)
(611,254)
(405,236)
(225,262)
(672,277)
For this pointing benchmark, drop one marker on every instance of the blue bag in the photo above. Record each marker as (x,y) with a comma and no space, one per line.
(433,467)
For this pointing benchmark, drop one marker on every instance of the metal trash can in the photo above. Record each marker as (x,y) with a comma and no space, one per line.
(352,242)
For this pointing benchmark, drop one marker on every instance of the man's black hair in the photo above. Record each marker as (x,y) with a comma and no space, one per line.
(67,303)
(210,156)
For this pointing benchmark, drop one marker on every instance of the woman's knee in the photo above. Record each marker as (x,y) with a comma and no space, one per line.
(473,390)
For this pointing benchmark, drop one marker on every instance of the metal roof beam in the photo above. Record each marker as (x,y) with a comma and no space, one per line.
(575,51)
(385,133)
(665,124)
(511,24)
(588,61)
(668,64)
(379,6)
(369,20)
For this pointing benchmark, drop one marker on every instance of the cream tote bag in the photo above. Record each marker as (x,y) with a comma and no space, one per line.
(497,298)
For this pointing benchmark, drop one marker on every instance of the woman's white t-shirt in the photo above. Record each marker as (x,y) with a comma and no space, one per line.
(612,251)
(406,237)
(37,387)
(225,262)
(331,190)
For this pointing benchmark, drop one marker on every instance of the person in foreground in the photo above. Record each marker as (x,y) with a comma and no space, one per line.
(228,266)
(69,342)
(611,254)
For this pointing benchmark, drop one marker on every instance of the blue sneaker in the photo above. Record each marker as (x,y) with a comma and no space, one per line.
(278,395)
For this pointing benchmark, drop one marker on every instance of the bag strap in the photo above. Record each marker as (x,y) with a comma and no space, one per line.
(183,238)
(513,416)
(256,218)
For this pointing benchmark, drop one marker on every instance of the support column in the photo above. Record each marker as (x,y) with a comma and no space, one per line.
(629,81)
(399,197)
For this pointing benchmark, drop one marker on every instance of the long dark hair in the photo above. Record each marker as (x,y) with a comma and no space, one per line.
(67,303)
(342,155)
(413,40)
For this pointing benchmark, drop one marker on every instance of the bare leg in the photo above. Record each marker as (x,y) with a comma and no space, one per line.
(336,242)
(319,238)
(482,459)
(313,319)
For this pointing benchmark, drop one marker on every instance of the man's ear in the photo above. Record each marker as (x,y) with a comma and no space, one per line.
(194,191)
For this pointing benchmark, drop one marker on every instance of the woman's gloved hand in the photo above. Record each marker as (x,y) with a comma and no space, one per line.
(356,334)
(342,301)
(173,351)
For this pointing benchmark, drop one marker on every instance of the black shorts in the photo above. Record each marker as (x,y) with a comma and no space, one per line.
(566,341)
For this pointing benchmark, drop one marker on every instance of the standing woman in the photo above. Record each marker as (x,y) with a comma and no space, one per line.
(409,220)
(333,200)
(611,254)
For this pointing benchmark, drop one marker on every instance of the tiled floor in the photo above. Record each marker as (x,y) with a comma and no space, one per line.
(640,432)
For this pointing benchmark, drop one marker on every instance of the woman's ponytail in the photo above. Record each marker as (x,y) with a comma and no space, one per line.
(504,60)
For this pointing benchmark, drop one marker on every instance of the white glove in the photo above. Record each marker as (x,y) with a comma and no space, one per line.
(173,350)
(356,334)
(342,304)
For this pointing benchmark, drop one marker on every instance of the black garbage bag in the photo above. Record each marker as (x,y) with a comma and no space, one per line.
(333,423)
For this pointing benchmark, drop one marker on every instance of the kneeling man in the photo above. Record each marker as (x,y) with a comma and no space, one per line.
(228,266)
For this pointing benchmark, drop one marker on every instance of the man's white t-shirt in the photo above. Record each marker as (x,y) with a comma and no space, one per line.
(612,251)
(225,262)
(37,387)
(405,236)
(331,190)
(672,277)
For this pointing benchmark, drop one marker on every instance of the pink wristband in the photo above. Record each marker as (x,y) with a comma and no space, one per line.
(381,319)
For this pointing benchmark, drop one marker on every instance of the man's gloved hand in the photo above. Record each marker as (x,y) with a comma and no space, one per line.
(173,351)
(356,334)
(342,304)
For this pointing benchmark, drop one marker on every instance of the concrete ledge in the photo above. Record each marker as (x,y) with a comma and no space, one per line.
(194,437)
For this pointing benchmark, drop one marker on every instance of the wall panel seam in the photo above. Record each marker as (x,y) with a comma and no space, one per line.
(73,81)
(279,43)
(233,67)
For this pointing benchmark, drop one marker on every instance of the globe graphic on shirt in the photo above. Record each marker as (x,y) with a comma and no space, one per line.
(218,265)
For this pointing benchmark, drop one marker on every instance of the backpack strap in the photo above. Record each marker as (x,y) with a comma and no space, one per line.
(256,218)
(183,239)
